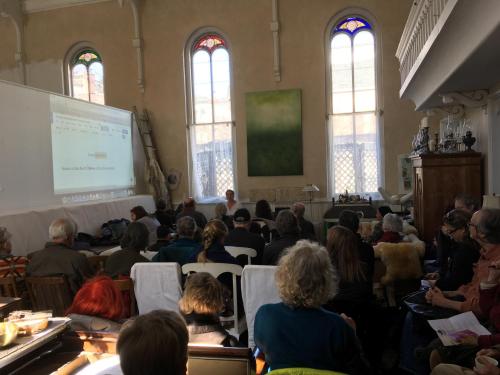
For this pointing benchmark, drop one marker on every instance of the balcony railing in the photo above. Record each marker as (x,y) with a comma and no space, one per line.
(424,23)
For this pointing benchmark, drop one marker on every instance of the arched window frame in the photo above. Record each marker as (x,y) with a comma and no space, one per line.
(193,45)
(329,33)
(71,60)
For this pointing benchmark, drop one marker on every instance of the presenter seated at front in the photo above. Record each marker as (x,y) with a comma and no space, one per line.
(298,332)
(58,258)
(231,204)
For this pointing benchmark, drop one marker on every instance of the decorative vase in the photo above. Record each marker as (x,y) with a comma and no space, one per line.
(468,140)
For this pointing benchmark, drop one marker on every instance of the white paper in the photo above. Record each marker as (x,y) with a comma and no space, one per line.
(447,328)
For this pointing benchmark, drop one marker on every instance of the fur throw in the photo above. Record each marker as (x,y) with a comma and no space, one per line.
(402,260)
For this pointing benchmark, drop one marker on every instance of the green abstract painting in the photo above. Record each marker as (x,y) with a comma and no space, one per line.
(274,133)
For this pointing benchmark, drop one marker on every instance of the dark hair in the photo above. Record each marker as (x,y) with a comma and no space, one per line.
(139,212)
(350,220)
(468,200)
(162,231)
(154,343)
(342,245)
(457,219)
(161,205)
(263,210)
(384,210)
(136,237)
(286,223)
(489,225)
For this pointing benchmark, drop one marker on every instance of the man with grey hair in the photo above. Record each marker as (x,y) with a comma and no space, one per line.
(288,230)
(58,258)
(184,246)
(305,226)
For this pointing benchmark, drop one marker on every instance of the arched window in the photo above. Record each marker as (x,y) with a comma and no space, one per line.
(87,76)
(354,155)
(211,132)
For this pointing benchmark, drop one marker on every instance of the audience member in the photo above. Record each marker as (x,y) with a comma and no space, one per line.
(133,242)
(459,266)
(164,216)
(241,236)
(163,238)
(189,209)
(10,265)
(57,258)
(139,214)
(184,247)
(154,343)
(286,224)
(466,202)
(392,225)
(221,214)
(263,210)
(377,231)
(200,305)
(306,227)
(298,332)
(350,220)
(263,223)
(213,250)
(485,230)
(98,306)
(231,204)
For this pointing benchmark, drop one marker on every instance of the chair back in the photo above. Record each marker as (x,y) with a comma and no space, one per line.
(216,269)
(8,287)
(157,286)
(126,286)
(236,251)
(218,360)
(97,262)
(49,293)
(257,288)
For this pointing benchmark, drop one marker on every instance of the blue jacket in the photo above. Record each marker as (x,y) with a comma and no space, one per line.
(181,251)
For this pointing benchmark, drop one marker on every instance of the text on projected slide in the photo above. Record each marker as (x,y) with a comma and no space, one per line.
(90,154)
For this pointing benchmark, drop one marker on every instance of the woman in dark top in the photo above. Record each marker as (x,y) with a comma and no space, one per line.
(133,241)
(200,305)
(459,268)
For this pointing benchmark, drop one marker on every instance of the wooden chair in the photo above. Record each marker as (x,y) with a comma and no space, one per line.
(8,287)
(98,262)
(127,285)
(49,293)
(216,360)
(216,269)
(236,251)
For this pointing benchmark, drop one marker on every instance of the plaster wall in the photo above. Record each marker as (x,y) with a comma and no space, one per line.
(167,25)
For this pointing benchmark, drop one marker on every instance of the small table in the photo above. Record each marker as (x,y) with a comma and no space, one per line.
(9,304)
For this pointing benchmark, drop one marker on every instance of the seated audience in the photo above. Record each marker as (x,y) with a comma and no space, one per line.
(189,209)
(298,332)
(10,265)
(200,305)
(377,231)
(350,220)
(213,250)
(184,247)
(459,269)
(485,230)
(163,215)
(133,242)
(263,223)
(286,224)
(98,306)
(466,202)
(58,258)
(221,214)
(241,236)
(154,343)
(163,238)
(392,225)
(306,227)
(231,204)
(139,214)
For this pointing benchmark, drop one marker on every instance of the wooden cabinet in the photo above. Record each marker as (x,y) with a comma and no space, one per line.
(437,179)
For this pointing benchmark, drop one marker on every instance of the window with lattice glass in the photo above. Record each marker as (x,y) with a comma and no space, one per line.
(87,76)
(211,118)
(352,125)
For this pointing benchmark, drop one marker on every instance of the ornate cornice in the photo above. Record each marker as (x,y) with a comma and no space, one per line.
(471,99)
(33,6)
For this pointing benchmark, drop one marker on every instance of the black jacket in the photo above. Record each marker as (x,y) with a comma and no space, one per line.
(242,237)
(273,251)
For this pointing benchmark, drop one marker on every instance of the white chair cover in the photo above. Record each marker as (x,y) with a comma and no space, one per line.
(258,288)
(157,286)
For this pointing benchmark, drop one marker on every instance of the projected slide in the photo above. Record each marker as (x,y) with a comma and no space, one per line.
(91,147)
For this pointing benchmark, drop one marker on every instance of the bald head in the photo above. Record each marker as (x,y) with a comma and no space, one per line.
(298,209)
(485,226)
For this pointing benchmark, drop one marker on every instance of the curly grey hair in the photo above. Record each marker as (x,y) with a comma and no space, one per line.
(392,223)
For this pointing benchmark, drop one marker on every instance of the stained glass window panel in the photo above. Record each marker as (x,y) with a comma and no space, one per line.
(96,83)
(221,85)
(364,71)
(202,88)
(79,81)
(341,56)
